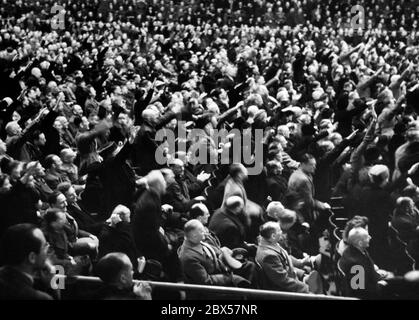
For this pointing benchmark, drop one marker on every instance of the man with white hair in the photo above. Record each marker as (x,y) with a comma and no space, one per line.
(356,262)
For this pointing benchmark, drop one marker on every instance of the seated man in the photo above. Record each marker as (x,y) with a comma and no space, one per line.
(84,219)
(81,242)
(229,225)
(116,271)
(203,263)
(356,262)
(177,192)
(200,212)
(278,270)
(23,254)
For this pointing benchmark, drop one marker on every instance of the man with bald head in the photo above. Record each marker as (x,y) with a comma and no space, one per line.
(116,271)
(229,224)
(356,261)
(202,263)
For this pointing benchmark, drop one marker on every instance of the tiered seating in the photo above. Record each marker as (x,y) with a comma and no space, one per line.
(402,260)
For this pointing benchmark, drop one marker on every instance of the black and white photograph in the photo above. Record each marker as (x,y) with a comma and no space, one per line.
(229,151)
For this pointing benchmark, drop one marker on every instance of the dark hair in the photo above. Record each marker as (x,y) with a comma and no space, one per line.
(17,243)
(49,161)
(35,135)
(195,212)
(271,165)
(77,121)
(110,266)
(355,222)
(63,187)
(305,158)
(371,154)
(52,199)
(235,169)
(51,215)
(267,230)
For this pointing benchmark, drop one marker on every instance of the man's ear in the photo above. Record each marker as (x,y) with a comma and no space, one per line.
(32,257)
(122,278)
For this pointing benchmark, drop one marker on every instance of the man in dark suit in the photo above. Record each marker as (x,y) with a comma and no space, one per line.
(229,225)
(278,270)
(23,254)
(177,192)
(276,184)
(84,220)
(201,262)
(116,271)
(117,236)
(356,261)
(301,182)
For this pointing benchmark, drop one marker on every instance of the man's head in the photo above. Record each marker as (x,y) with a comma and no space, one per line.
(67,155)
(234,204)
(199,211)
(359,238)
(274,168)
(116,269)
(55,219)
(308,164)
(68,191)
(58,200)
(238,171)
(287,218)
(77,110)
(271,232)
(123,212)
(194,231)
(13,128)
(52,162)
(275,209)
(156,180)
(24,245)
(379,175)
(150,115)
(38,138)
(177,167)
(355,222)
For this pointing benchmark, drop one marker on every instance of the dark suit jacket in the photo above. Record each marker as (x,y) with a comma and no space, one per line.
(277,268)
(177,196)
(14,285)
(354,257)
(146,221)
(118,239)
(303,185)
(84,220)
(228,228)
(198,268)
(376,204)
(277,187)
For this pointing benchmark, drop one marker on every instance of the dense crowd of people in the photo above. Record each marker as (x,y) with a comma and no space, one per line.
(81,186)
